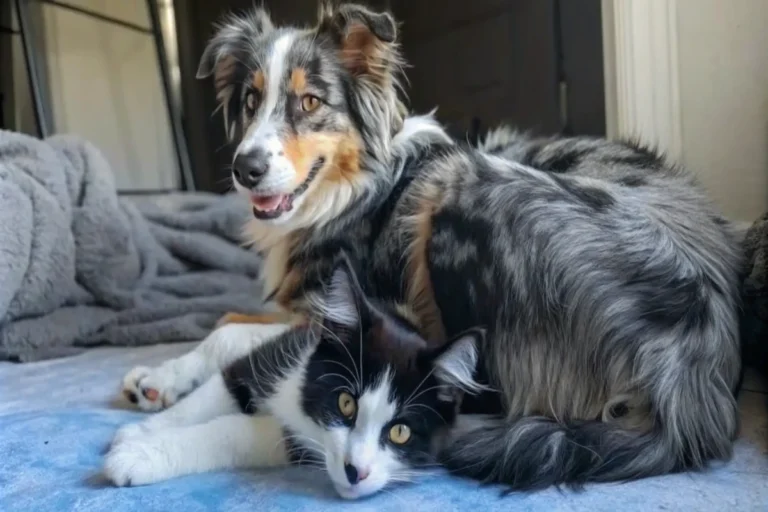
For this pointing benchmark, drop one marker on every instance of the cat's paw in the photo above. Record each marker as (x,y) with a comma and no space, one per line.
(151,389)
(137,461)
(131,431)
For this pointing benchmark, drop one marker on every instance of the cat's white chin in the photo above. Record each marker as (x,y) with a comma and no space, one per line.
(361,490)
(357,491)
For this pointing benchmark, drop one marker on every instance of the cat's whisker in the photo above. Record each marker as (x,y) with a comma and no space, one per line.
(306,449)
(422,392)
(307,438)
(303,447)
(338,363)
(355,387)
(429,408)
(408,400)
(462,469)
(357,374)
(349,382)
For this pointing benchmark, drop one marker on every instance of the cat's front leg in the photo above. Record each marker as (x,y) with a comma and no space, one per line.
(205,403)
(227,442)
(153,389)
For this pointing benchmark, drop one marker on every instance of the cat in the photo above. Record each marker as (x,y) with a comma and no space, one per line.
(358,393)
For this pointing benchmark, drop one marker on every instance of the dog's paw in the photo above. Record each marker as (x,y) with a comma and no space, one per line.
(137,461)
(151,389)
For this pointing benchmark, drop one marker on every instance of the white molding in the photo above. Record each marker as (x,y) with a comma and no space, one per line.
(642,83)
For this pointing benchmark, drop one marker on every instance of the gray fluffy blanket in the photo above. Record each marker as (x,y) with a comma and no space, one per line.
(80,266)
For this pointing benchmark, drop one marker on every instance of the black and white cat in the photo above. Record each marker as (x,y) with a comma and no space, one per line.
(359,393)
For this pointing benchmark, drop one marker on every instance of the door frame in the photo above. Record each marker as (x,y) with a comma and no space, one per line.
(642,82)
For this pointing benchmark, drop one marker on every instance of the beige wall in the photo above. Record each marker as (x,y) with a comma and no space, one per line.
(723,60)
(105,86)
(691,77)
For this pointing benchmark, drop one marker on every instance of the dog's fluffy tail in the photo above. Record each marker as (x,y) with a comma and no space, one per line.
(498,139)
(692,426)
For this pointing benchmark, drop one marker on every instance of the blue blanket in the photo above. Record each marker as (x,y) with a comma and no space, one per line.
(56,419)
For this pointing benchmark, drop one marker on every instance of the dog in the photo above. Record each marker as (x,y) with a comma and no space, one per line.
(605,280)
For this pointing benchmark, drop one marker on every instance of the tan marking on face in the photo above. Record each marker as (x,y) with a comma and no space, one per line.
(341,153)
(298,82)
(346,159)
(259,81)
(301,151)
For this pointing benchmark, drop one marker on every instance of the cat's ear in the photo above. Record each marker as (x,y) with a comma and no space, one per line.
(224,58)
(456,362)
(344,302)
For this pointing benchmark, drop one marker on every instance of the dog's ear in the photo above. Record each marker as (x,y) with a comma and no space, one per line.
(367,40)
(225,58)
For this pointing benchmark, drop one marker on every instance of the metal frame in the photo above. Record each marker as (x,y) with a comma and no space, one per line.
(41,111)
(179,142)
(37,87)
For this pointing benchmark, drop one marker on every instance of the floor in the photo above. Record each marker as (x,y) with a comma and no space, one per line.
(753,403)
(57,417)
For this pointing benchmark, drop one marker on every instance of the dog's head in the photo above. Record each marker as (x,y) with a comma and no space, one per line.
(308,108)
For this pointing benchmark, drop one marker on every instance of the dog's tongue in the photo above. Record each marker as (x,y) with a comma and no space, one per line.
(267,203)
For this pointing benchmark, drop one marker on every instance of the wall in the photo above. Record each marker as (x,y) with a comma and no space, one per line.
(691,76)
(105,85)
(723,59)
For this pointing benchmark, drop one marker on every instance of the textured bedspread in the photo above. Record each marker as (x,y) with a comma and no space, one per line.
(56,420)
(80,266)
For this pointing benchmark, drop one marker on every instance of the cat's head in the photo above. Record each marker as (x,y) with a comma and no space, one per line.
(378,395)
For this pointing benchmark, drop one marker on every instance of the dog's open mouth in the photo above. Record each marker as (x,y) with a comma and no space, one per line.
(273,206)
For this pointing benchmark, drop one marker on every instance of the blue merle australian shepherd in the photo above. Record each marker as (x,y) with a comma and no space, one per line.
(530,312)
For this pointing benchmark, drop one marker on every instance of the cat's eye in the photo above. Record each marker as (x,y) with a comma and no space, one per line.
(250,103)
(400,434)
(347,404)
(309,103)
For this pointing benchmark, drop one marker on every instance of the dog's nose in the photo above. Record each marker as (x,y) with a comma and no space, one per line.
(248,168)
(355,475)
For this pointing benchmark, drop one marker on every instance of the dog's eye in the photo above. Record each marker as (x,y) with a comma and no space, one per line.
(347,405)
(309,103)
(400,433)
(250,103)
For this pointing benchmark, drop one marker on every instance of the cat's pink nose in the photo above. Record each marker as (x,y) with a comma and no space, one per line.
(354,474)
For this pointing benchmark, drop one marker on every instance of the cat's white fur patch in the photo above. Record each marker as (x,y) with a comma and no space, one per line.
(179,376)
(362,445)
(203,432)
